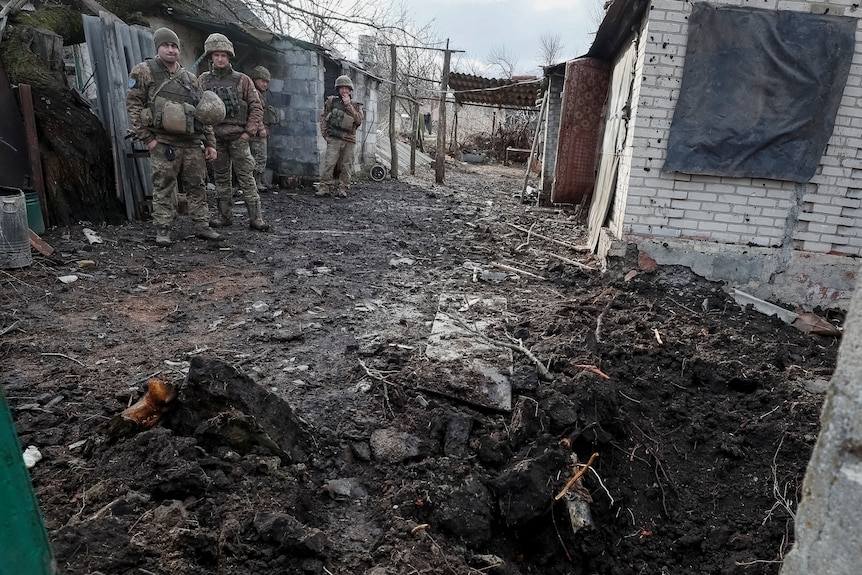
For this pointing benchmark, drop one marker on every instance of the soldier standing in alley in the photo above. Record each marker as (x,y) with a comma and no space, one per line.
(339,120)
(244,116)
(171,116)
(258,143)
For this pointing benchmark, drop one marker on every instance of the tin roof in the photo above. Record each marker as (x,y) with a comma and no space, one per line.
(518,92)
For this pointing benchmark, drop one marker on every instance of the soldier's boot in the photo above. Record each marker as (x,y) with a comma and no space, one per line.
(258,181)
(207,233)
(323,189)
(342,192)
(163,235)
(224,217)
(255,220)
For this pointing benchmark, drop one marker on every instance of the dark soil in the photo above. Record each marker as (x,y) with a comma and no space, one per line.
(312,433)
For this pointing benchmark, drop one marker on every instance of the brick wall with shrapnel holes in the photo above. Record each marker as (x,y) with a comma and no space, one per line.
(736,210)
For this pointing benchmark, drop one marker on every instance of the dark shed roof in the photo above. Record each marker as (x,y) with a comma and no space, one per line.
(507,93)
(621,19)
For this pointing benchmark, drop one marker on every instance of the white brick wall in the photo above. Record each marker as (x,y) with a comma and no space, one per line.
(738,211)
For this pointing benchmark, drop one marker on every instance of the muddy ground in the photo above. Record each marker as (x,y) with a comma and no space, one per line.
(314,430)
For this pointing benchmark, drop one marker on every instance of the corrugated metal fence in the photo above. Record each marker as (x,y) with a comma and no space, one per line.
(115,47)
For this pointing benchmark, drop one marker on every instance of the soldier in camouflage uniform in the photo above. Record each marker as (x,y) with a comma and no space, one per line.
(338,122)
(258,142)
(161,103)
(244,118)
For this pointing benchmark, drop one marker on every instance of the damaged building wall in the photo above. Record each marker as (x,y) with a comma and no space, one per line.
(783,240)
(297,96)
(828,523)
(615,162)
(300,83)
(366,91)
(552,133)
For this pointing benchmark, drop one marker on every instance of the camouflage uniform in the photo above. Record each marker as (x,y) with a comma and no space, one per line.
(258,143)
(338,123)
(244,115)
(176,155)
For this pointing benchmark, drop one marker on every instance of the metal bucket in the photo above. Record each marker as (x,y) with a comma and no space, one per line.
(14,231)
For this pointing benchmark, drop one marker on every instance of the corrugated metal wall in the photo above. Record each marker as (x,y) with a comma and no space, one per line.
(115,47)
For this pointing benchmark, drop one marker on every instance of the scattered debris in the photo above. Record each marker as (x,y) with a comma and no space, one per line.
(764,307)
(517,271)
(454,345)
(646,263)
(148,410)
(32,456)
(805,322)
(280,425)
(40,245)
(92,236)
(811,323)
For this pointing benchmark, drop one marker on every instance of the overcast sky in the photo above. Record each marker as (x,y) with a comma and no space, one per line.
(478,26)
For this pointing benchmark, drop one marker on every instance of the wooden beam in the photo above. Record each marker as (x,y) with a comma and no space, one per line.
(38,179)
(440,158)
(393,129)
(41,245)
(95,7)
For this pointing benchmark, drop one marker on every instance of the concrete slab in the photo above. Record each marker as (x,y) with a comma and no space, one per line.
(475,369)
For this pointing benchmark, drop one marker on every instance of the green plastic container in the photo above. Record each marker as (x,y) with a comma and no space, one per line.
(24,547)
(34,213)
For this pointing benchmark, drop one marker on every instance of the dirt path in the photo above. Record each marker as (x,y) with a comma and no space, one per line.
(345,402)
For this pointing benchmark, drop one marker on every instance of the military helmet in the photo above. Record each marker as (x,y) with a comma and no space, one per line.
(344,81)
(218,43)
(210,109)
(260,73)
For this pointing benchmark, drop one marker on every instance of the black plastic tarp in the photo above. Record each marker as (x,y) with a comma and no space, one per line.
(760,91)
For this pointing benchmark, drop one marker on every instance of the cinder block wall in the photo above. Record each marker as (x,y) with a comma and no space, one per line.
(366,90)
(781,240)
(297,93)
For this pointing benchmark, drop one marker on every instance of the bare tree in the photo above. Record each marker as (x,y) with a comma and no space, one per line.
(499,58)
(330,23)
(550,49)
(338,24)
(598,9)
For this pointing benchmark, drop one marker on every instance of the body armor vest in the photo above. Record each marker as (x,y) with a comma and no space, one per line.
(181,89)
(270,115)
(226,87)
(172,108)
(338,121)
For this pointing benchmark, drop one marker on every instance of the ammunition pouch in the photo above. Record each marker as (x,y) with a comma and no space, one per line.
(270,115)
(171,117)
(236,109)
(340,120)
(333,132)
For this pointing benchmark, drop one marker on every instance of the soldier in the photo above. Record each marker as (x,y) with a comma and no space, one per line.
(243,118)
(258,143)
(338,122)
(168,115)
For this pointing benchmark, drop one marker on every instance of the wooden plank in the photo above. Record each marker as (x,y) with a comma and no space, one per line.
(26,97)
(39,244)
(95,7)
